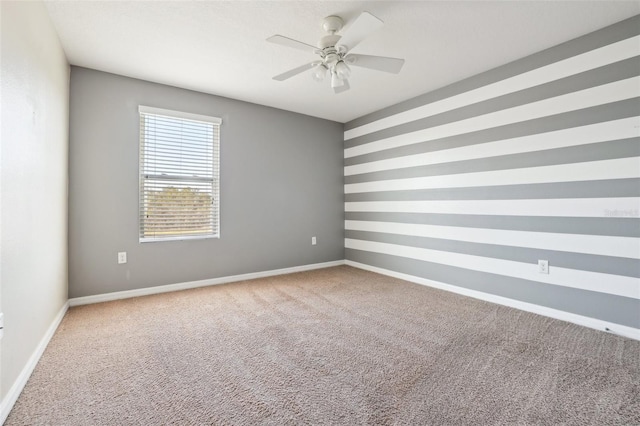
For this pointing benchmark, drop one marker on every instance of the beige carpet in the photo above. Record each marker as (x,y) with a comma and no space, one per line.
(336,346)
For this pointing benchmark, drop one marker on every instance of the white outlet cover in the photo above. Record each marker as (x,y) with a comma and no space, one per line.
(313,241)
(122,257)
(543,266)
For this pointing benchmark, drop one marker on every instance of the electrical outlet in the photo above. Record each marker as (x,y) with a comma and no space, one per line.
(313,241)
(122,257)
(543,266)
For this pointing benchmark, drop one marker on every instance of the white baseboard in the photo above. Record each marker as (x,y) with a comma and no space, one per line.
(12,396)
(622,330)
(76,301)
(10,399)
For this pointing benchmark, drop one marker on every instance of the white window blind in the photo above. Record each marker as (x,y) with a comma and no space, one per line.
(179,175)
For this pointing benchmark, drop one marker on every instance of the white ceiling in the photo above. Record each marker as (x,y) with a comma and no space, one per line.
(219,47)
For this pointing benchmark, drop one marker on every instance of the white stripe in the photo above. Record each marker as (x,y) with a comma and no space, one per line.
(584,280)
(593,133)
(611,92)
(569,207)
(574,243)
(621,168)
(596,58)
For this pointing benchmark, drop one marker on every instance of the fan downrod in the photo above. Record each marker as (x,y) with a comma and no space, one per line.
(331,24)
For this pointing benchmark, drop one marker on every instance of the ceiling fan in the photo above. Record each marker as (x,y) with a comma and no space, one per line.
(334,51)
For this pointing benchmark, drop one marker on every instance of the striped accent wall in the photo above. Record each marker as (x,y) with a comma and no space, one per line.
(472,184)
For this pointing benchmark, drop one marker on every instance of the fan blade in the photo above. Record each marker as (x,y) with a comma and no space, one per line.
(289,42)
(342,88)
(380,63)
(364,25)
(295,71)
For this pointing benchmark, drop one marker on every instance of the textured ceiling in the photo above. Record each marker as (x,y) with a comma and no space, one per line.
(219,47)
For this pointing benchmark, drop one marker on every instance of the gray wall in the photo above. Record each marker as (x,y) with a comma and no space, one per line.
(472,184)
(281,184)
(33,174)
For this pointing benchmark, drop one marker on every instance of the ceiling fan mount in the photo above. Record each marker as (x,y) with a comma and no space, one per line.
(334,52)
(332,24)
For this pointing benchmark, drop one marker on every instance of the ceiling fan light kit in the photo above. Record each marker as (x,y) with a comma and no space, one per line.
(342,70)
(335,52)
(319,72)
(336,81)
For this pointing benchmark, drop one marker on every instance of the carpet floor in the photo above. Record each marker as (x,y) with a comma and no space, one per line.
(337,346)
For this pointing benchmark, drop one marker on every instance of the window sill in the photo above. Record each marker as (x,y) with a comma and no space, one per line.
(185,238)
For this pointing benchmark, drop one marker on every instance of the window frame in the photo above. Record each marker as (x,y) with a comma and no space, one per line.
(215,179)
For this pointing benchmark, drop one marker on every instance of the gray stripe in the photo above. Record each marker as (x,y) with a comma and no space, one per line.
(606,74)
(615,227)
(583,117)
(585,262)
(609,35)
(583,189)
(623,148)
(606,307)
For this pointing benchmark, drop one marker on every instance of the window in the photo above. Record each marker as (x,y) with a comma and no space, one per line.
(179,175)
